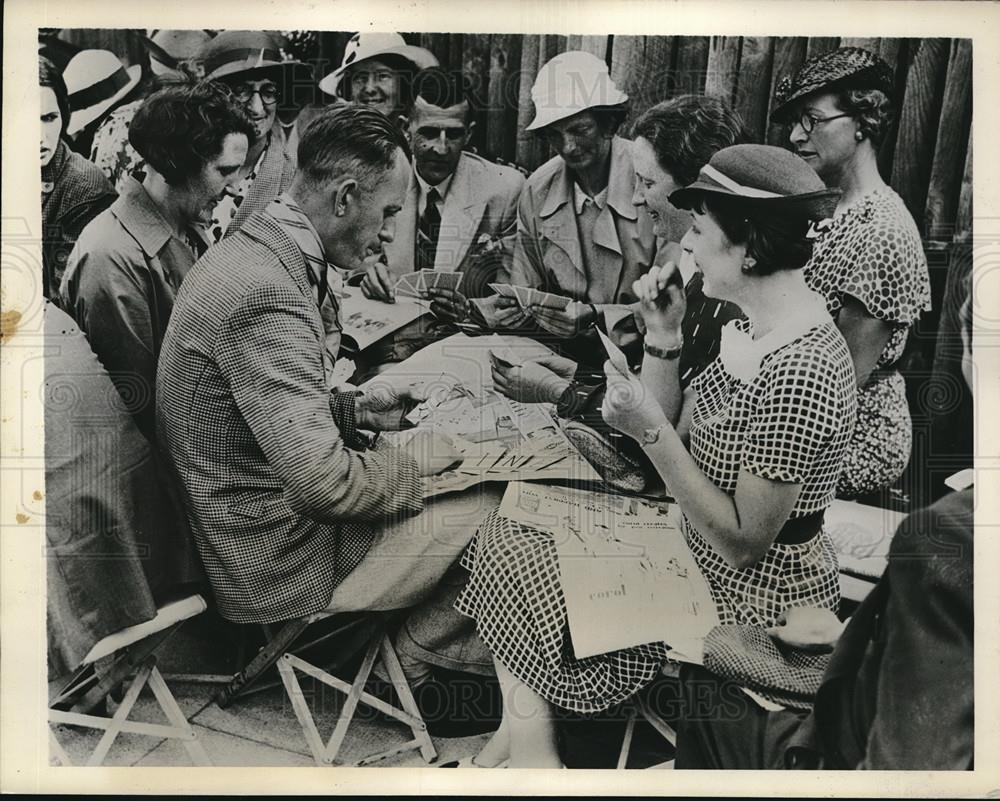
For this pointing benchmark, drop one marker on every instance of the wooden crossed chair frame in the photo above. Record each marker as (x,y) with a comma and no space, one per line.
(355,631)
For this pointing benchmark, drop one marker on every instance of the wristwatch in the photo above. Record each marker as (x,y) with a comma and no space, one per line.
(652,435)
(662,353)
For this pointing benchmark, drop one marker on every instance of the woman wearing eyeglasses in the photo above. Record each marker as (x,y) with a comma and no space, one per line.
(250,64)
(868,261)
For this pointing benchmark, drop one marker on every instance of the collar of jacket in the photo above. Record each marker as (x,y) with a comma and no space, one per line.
(52,170)
(269,232)
(139,215)
(621,184)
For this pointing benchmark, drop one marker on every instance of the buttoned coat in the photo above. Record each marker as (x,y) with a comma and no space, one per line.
(548,253)
(480,207)
(280,507)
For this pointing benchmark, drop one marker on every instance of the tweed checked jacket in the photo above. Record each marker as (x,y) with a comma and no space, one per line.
(280,507)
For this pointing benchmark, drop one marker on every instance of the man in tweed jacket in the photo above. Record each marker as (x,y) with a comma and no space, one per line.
(283,492)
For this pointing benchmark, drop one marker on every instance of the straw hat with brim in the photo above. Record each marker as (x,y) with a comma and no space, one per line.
(844,68)
(246,53)
(767,180)
(168,49)
(96,80)
(570,83)
(363,46)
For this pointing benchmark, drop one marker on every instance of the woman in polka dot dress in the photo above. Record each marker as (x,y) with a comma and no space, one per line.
(868,262)
(768,423)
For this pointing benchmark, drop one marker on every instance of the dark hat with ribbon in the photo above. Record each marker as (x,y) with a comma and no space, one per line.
(766,179)
(241,53)
(844,68)
(96,80)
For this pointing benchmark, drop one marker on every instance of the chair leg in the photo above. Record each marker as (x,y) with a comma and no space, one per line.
(115,727)
(56,750)
(420,733)
(294,691)
(172,710)
(627,739)
(351,703)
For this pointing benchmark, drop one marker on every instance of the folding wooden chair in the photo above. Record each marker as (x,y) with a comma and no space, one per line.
(640,707)
(133,648)
(368,631)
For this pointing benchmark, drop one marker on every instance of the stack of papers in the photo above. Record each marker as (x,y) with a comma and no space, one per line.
(627,574)
(366,321)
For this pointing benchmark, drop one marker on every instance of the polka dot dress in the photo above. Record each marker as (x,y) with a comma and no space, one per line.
(791,423)
(226,208)
(873,253)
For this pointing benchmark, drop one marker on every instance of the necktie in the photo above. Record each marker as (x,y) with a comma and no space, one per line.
(428,229)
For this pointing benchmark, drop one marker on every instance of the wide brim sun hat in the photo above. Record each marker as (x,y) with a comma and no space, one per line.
(95,81)
(569,83)
(244,53)
(844,68)
(169,49)
(364,46)
(771,180)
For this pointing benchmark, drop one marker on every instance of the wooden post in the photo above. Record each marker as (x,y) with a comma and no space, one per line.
(896,55)
(754,84)
(723,67)
(641,66)
(963,219)
(918,125)
(691,66)
(476,67)
(821,44)
(529,149)
(596,45)
(952,141)
(502,96)
(789,53)
(871,45)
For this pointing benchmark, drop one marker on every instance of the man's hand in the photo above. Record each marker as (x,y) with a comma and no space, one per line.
(560,365)
(808,628)
(448,304)
(433,453)
(530,382)
(378,284)
(383,406)
(499,312)
(567,322)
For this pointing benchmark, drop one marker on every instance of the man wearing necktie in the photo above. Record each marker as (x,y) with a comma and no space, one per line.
(460,213)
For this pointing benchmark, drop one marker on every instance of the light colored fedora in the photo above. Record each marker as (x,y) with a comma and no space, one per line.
(363,46)
(96,80)
(570,83)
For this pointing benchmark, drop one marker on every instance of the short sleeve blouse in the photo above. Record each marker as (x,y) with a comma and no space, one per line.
(873,253)
(791,423)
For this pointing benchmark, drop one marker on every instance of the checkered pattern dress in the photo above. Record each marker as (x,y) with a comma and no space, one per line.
(873,253)
(791,423)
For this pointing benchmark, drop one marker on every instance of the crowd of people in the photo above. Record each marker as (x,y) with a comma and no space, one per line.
(200,220)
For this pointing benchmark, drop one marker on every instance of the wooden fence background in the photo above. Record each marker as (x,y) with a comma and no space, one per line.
(927,157)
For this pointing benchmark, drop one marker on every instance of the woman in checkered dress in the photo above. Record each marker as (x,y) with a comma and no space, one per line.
(768,423)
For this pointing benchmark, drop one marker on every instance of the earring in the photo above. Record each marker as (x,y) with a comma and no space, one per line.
(858,135)
(748,264)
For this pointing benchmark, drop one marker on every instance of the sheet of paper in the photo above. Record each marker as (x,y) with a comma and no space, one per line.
(861,536)
(627,574)
(615,354)
(367,321)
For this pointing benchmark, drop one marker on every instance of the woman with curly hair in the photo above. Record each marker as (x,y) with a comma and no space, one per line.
(868,261)
(129,262)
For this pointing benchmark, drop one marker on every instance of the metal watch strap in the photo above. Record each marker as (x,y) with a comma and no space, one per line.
(662,353)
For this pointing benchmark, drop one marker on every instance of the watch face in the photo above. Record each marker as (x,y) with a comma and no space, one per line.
(650,435)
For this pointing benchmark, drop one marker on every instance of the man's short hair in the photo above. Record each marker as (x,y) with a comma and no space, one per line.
(177,130)
(349,138)
(443,89)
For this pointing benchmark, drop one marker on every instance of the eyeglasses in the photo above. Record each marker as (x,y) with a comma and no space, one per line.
(808,121)
(268,93)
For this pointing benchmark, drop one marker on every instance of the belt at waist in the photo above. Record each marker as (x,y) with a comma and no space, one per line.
(798,530)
